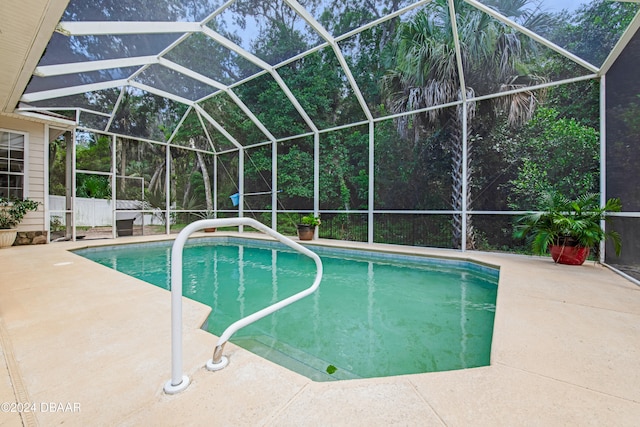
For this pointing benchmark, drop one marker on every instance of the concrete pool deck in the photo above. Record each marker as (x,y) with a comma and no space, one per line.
(86,345)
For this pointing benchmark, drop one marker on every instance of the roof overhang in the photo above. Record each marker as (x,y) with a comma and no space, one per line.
(25,29)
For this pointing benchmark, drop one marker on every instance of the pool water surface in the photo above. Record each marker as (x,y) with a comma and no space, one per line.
(374,314)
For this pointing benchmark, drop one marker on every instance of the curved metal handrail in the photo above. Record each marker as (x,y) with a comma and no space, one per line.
(179,382)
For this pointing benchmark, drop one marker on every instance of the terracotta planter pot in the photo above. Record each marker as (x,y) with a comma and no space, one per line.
(569,255)
(306,232)
(7,237)
(210,229)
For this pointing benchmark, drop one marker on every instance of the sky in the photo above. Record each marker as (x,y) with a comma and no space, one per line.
(558,5)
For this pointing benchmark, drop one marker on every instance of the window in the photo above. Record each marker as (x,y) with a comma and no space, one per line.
(12,147)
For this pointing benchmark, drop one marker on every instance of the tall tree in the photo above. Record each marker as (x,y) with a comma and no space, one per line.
(423,72)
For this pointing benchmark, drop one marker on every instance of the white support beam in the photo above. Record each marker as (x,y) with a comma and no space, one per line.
(100,28)
(74,181)
(206,132)
(241,187)
(420,110)
(382,19)
(68,123)
(347,126)
(72,90)
(603,157)
(168,165)
(160,92)
(235,48)
(294,137)
(352,82)
(192,74)
(251,116)
(86,110)
(456,43)
(465,177)
(301,55)
(217,125)
(371,187)
(533,35)
(304,14)
(138,73)
(46,110)
(115,108)
(297,7)
(177,128)
(316,176)
(274,186)
(85,67)
(622,43)
(294,101)
(114,185)
(265,66)
(217,12)
(215,185)
(535,87)
(351,33)
(186,147)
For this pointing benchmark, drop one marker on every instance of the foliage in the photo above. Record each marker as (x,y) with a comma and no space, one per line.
(93,152)
(310,220)
(270,105)
(516,151)
(344,169)
(57,165)
(423,73)
(13,211)
(579,101)
(592,31)
(207,214)
(295,174)
(563,220)
(402,180)
(55,224)
(554,154)
(93,186)
(226,179)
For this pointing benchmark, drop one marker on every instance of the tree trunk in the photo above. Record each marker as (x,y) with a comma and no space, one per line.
(172,179)
(205,177)
(457,163)
(157,179)
(123,169)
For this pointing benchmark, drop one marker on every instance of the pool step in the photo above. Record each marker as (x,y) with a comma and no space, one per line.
(292,358)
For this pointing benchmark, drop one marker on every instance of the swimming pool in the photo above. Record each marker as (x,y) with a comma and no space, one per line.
(374,315)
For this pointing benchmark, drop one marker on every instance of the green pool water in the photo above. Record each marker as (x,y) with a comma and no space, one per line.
(374,315)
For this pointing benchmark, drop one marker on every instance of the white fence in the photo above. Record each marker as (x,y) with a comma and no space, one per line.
(98,212)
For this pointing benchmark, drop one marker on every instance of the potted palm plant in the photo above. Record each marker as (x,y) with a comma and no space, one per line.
(11,214)
(208,214)
(567,228)
(307,226)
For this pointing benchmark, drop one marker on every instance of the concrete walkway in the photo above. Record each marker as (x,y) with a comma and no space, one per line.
(85,345)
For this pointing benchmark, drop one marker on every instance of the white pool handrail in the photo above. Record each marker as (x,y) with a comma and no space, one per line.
(179,382)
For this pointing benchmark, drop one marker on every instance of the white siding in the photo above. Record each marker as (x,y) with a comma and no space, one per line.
(34,176)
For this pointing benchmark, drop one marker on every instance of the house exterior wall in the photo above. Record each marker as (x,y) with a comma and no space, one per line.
(35,175)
